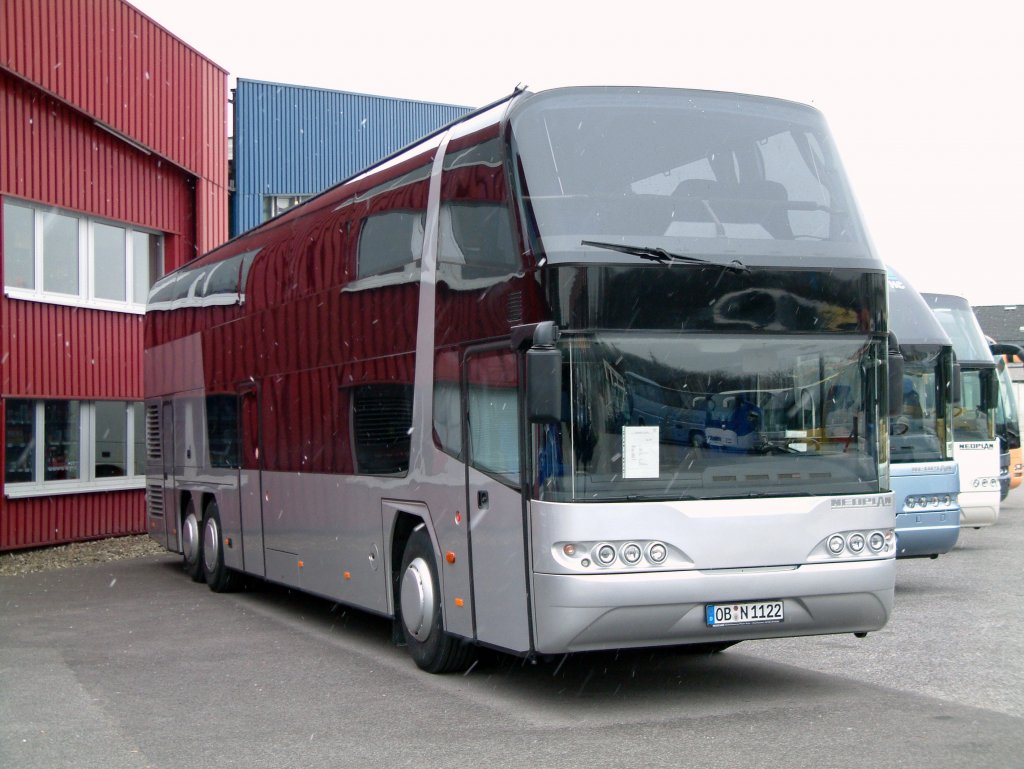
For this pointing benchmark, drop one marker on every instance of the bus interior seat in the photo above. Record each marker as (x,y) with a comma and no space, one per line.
(760,202)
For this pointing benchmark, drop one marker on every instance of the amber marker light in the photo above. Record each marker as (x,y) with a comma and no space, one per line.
(301,564)
(450,556)
(459,602)
(347,575)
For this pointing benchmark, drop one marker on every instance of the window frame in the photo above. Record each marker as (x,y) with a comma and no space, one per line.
(86,296)
(87,482)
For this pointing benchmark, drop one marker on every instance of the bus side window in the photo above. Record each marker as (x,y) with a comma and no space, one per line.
(389,241)
(222,430)
(492,409)
(479,237)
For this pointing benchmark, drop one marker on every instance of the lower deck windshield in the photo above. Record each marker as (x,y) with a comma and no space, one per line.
(684,416)
(918,433)
(974,416)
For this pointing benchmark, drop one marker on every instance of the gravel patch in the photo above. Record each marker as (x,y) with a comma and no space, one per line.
(77,554)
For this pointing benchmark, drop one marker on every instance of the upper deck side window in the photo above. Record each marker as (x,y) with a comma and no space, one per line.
(391,224)
(205,285)
(475,232)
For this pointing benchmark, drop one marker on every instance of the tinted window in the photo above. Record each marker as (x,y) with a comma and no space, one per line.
(389,241)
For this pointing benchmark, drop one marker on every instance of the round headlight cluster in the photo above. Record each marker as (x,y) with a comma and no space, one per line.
(935,500)
(604,554)
(858,542)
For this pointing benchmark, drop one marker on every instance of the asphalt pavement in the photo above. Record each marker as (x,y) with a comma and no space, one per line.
(130,664)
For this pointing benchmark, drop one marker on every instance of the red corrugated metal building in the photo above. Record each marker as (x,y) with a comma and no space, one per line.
(113,170)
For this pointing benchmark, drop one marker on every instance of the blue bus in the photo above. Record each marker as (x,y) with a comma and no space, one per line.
(924,476)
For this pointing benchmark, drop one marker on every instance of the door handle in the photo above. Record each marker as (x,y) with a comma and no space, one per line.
(482,498)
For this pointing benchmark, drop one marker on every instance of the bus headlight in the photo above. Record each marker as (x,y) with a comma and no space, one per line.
(869,543)
(626,554)
(604,554)
(876,541)
(631,553)
(657,553)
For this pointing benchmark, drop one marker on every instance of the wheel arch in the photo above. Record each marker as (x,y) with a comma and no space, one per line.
(400,520)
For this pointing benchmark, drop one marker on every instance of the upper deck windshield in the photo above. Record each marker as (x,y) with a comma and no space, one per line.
(919,433)
(719,176)
(668,415)
(961,324)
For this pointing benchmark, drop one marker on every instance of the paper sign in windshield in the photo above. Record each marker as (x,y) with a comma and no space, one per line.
(640,452)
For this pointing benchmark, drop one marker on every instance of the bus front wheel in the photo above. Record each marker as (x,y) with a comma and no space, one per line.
(431,648)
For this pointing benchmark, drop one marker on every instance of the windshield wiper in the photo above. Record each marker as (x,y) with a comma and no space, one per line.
(662,256)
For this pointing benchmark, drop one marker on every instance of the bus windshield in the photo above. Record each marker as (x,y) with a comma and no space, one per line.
(677,416)
(707,175)
(1007,420)
(962,326)
(974,417)
(918,434)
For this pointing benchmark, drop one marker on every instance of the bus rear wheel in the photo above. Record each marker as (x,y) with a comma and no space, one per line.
(192,544)
(431,648)
(218,576)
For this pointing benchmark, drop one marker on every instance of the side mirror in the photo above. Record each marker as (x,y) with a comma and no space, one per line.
(1004,348)
(544,376)
(957,389)
(895,365)
(992,388)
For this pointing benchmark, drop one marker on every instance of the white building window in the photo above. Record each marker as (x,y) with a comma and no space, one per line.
(66,446)
(66,258)
(275,205)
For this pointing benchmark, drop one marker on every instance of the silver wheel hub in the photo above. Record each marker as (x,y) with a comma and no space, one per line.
(211,544)
(418,599)
(190,537)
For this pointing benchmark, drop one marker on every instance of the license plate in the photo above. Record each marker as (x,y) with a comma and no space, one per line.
(751,613)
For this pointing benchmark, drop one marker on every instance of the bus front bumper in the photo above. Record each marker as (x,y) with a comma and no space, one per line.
(979,508)
(589,612)
(920,534)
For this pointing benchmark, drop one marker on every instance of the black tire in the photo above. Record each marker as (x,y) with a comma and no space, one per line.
(192,543)
(419,610)
(219,577)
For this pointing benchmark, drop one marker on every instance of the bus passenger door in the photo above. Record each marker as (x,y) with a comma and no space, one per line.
(250,486)
(490,397)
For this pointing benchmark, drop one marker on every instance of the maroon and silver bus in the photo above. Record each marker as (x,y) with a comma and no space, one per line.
(411,394)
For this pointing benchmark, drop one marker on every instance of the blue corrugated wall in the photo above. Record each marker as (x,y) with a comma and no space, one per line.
(294,140)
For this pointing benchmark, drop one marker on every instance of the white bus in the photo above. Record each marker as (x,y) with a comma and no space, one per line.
(410,393)
(975,443)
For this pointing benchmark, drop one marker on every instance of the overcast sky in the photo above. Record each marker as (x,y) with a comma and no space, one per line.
(923,97)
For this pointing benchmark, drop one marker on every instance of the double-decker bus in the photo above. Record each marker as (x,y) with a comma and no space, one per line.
(925,479)
(975,446)
(410,394)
